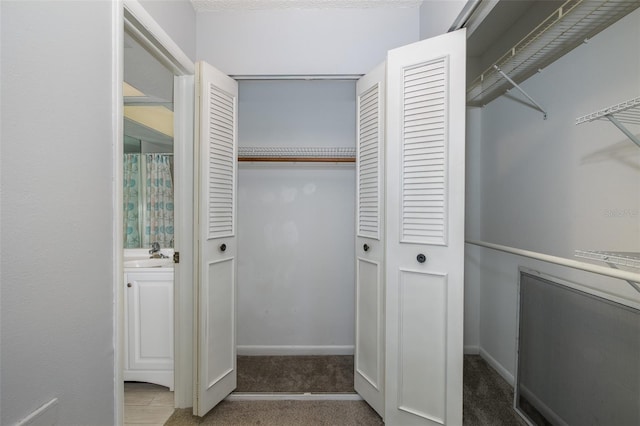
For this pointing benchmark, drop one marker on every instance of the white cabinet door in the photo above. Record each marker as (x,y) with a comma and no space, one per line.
(369,339)
(216,231)
(149,327)
(425,231)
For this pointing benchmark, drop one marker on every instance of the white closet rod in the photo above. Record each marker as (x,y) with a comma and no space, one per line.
(601,270)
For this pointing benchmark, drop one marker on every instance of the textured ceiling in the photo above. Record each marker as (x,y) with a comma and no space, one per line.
(214,5)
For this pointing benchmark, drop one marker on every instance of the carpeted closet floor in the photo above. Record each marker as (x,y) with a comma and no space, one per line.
(488,399)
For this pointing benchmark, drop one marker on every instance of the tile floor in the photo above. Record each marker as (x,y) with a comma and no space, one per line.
(146,404)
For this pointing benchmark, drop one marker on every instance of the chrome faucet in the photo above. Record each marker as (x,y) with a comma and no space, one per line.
(155,250)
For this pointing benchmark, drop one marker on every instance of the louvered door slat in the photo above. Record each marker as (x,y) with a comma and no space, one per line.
(368,163)
(424,154)
(221,163)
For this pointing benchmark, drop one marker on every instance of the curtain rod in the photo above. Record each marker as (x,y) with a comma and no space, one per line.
(588,267)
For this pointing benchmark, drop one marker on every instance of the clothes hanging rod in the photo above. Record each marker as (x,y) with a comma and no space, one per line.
(299,159)
(521,90)
(613,260)
(583,266)
(304,77)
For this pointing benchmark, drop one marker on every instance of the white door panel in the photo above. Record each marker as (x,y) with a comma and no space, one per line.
(425,231)
(216,290)
(369,353)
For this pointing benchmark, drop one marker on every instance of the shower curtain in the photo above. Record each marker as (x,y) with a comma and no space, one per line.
(158,212)
(148,200)
(131,201)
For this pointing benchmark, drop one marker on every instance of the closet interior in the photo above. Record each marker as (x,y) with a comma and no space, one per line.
(296,275)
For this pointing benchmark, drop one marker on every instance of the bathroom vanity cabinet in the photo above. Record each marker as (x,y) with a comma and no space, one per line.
(149,326)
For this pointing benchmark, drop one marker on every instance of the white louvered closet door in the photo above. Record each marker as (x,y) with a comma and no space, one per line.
(216,299)
(425,231)
(369,345)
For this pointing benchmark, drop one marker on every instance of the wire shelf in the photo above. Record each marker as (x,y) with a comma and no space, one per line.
(332,154)
(626,112)
(617,258)
(569,26)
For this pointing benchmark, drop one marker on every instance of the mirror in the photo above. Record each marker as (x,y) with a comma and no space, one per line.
(148,149)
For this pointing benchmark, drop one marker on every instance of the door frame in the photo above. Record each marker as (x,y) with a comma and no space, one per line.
(130,14)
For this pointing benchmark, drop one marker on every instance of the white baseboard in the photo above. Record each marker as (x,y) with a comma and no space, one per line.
(238,396)
(47,415)
(498,367)
(471,350)
(256,350)
(543,408)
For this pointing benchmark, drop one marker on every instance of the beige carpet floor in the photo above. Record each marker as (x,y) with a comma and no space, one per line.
(282,413)
(487,401)
(296,374)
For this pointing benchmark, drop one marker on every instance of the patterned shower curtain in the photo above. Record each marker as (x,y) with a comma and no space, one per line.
(148,200)
(131,201)
(158,201)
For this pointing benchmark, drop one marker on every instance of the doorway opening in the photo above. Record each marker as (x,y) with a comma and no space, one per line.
(154,322)
(296,270)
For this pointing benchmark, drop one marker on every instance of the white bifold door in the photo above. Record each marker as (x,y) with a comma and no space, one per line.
(369,335)
(216,153)
(409,234)
(424,262)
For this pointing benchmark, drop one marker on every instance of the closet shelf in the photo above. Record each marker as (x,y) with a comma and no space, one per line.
(620,114)
(618,258)
(297,154)
(614,259)
(571,24)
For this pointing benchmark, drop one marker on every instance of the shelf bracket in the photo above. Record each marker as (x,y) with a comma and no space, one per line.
(514,84)
(633,284)
(624,130)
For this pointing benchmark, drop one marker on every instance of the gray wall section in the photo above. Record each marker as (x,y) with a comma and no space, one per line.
(437,16)
(296,257)
(303,41)
(551,186)
(57,222)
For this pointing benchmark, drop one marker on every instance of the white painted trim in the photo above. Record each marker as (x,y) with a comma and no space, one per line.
(184,92)
(472,350)
(543,408)
(256,350)
(240,396)
(497,366)
(46,415)
(117,77)
(155,39)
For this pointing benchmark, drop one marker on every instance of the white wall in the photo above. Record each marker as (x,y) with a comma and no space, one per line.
(296,222)
(303,41)
(437,16)
(177,18)
(551,186)
(57,223)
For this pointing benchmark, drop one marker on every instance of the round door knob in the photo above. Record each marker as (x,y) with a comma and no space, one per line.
(129,284)
(365,247)
(223,247)
(421,258)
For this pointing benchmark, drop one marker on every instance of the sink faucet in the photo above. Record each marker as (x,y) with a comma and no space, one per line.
(156,253)
(155,248)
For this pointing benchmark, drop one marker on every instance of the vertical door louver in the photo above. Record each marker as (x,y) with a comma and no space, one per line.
(368,163)
(221,163)
(424,153)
